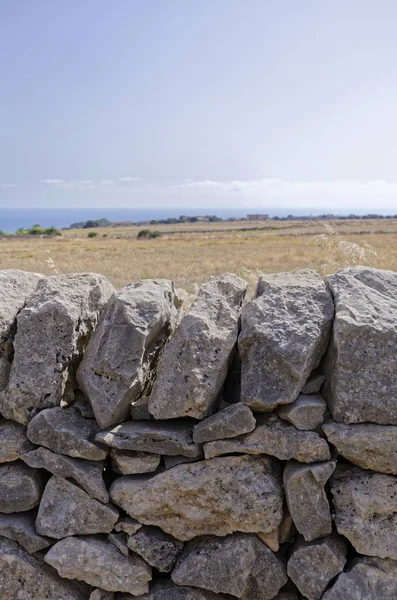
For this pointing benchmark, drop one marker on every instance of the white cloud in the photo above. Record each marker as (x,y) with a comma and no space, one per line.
(8,185)
(53,181)
(129,179)
(106,182)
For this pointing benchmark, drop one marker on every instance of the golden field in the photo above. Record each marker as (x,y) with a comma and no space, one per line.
(190,253)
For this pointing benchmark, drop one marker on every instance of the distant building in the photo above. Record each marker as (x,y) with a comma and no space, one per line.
(257,217)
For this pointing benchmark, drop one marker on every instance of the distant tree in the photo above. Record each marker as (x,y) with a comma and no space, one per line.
(52,231)
(22,231)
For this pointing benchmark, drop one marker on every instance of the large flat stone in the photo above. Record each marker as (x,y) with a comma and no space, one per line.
(166,590)
(218,497)
(366,445)
(87,473)
(238,564)
(274,437)
(66,510)
(306,497)
(13,440)
(193,366)
(365,510)
(65,431)
(228,423)
(307,412)
(119,362)
(284,332)
(159,549)
(171,437)
(99,563)
(128,462)
(20,527)
(361,380)
(52,331)
(366,579)
(21,487)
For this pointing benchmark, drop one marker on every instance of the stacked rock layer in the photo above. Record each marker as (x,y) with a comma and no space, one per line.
(242,449)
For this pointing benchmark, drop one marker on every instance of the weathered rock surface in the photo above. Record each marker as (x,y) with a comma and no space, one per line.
(87,473)
(361,383)
(24,577)
(366,579)
(52,330)
(157,548)
(307,412)
(101,595)
(65,510)
(119,362)
(228,423)
(128,525)
(13,440)
(120,541)
(139,410)
(193,366)
(366,445)
(365,510)
(128,462)
(170,437)
(98,562)
(279,535)
(166,590)
(172,461)
(313,565)
(274,437)
(314,384)
(20,487)
(218,496)
(306,498)
(239,564)
(284,333)
(20,527)
(65,431)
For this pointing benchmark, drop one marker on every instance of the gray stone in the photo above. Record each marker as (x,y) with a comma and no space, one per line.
(307,412)
(366,445)
(172,461)
(194,364)
(87,473)
(314,384)
(139,410)
(228,423)
(166,590)
(170,437)
(365,510)
(275,437)
(52,330)
(159,549)
(239,564)
(99,563)
(65,431)
(279,535)
(128,462)
(120,541)
(128,525)
(313,565)
(218,496)
(65,510)
(20,527)
(306,498)
(101,595)
(83,405)
(361,382)
(25,577)
(13,440)
(284,333)
(20,488)
(366,579)
(119,363)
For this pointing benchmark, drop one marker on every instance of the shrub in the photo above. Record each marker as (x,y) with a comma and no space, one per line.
(148,234)
(92,234)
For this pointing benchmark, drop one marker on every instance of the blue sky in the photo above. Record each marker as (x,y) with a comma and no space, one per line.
(217,103)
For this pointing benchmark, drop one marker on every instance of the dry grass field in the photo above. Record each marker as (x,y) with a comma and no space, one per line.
(190,253)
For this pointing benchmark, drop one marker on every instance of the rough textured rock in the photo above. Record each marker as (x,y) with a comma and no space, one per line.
(128,462)
(87,473)
(313,565)
(157,548)
(65,510)
(101,595)
(120,541)
(366,445)
(172,461)
(166,590)
(228,423)
(13,440)
(24,577)
(171,437)
(20,488)
(65,431)
(20,527)
(360,367)
(239,564)
(120,358)
(366,579)
(307,412)
(284,333)
(365,510)
(98,562)
(218,496)
(139,410)
(314,384)
(128,525)
(52,330)
(275,437)
(193,366)
(306,498)
(279,535)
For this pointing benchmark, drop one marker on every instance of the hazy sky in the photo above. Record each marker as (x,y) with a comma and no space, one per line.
(209,103)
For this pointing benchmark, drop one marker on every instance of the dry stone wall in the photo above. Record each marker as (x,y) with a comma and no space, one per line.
(246,448)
